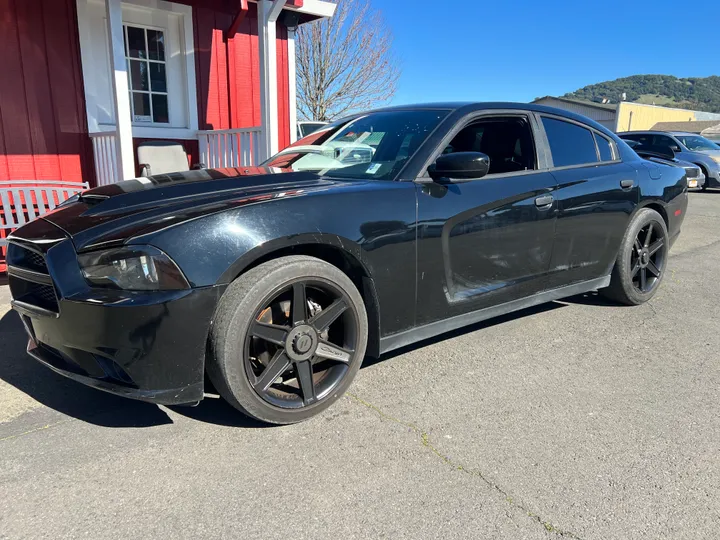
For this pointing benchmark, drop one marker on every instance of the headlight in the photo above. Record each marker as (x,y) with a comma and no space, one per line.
(716,159)
(132,268)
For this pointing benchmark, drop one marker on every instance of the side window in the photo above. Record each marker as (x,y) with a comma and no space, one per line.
(604,147)
(570,144)
(508,142)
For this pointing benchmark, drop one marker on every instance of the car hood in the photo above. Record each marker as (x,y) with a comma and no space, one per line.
(110,215)
(711,153)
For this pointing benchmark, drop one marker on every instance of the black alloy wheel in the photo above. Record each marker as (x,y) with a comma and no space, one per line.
(287,340)
(648,258)
(641,261)
(301,344)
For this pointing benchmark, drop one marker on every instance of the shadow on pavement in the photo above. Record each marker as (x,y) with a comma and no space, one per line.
(219,412)
(466,330)
(100,408)
(593,298)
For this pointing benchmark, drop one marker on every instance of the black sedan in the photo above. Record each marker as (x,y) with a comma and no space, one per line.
(378,231)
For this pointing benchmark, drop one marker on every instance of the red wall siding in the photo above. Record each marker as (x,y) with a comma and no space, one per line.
(228,70)
(43,128)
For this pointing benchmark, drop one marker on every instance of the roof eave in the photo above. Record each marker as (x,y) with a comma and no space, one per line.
(309,10)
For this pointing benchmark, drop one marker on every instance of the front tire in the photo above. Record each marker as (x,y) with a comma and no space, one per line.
(641,262)
(288,339)
(706,185)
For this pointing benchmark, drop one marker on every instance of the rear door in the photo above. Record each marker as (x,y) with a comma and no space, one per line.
(596,195)
(486,241)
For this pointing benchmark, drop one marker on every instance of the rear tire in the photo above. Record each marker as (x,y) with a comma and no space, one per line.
(288,339)
(641,262)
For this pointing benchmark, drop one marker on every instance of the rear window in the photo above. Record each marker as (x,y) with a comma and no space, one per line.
(570,144)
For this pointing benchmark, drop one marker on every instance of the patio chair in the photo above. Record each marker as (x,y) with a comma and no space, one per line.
(163,157)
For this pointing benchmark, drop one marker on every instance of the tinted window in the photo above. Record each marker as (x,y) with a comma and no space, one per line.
(570,144)
(604,148)
(644,142)
(663,142)
(508,142)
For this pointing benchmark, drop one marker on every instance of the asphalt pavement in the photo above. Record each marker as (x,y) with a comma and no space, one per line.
(578,419)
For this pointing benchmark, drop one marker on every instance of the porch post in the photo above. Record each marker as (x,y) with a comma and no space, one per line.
(121,92)
(292,84)
(268,14)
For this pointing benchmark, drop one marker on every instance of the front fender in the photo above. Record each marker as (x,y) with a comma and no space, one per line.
(373,224)
(710,165)
(260,251)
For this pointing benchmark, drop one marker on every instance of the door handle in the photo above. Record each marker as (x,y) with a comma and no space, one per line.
(545,200)
(625,184)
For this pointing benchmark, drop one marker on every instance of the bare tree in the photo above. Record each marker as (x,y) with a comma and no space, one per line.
(345,63)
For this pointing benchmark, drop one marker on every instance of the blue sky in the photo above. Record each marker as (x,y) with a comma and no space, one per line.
(505,50)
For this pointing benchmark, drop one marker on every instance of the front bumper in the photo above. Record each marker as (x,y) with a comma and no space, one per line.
(699,181)
(146,346)
(712,179)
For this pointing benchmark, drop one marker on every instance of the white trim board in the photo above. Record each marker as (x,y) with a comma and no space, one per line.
(317,8)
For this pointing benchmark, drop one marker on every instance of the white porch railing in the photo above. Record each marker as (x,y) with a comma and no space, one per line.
(106,161)
(230,147)
(218,149)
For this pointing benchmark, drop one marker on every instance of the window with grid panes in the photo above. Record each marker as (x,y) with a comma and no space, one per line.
(145,56)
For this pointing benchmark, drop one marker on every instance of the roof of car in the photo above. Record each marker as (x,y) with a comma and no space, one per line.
(471,106)
(683,133)
(644,132)
(657,132)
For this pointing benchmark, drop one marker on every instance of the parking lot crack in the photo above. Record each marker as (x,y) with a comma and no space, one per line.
(424,438)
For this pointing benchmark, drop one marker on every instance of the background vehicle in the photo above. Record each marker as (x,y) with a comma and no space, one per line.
(277,280)
(305,128)
(695,176)
(686,147)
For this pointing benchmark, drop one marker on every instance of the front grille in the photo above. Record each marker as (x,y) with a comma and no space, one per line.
(29,280)
(692,172)
(26,258)
(34,294)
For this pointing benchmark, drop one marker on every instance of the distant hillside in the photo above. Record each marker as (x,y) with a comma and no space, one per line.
(702,94)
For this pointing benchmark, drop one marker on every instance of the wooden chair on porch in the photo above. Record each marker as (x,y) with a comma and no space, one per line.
(163,157)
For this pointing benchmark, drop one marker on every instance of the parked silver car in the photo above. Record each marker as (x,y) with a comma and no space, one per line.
(686,147)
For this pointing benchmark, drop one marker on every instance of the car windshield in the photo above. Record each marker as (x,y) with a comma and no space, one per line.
(374,146)
(696,142)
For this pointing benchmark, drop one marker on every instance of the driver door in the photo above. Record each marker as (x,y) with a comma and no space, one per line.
(487,241)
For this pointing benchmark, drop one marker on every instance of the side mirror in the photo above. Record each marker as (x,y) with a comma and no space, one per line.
(675,148)
(459,167)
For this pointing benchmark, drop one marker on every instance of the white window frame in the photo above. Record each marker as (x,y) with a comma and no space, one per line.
(148,61)
(187,45)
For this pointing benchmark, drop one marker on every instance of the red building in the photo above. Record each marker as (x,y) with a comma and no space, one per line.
(84,81)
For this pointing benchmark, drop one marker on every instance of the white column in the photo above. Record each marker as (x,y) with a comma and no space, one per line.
(268,13)
(121,96)
(292,85)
